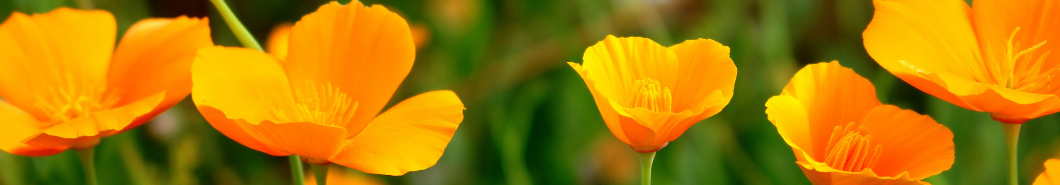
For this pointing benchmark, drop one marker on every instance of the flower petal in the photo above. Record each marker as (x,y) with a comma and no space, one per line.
(42,54)
(616,63)
(365,52)
(155,55)
(97,124)
(411,136)
(1038,20)
(792,122)
(819,173)
(704,67)
(233,130)
(309,140)
(18,126)
(832,95)
(241,83)
(624,128)
(1051,175)
(927,44)
(278,39)
(912,143)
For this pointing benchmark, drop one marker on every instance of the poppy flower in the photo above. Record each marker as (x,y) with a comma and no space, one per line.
(841,134)
(1051,175)
(991,57)
(66,89)
(649,94)
(323,101)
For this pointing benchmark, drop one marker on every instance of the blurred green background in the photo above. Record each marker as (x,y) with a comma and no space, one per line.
(530,119)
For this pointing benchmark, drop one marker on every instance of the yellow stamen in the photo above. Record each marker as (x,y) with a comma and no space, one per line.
(65,102)
(323,104)
(851,150)
(1032,78)
(651,95)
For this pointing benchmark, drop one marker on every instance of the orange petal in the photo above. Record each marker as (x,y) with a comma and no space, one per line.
(232,130)
(912,143)
(624,128)
(792,122)
(1051,175)
(42,54)
(154,56)
(365,52)
(819,173)
(18,126)
(278,39)
(704,67)
(833,95)
(309,140)
(96,124)
(242,83)
(1038,20)
(616,63)
(927,44)
(411,136)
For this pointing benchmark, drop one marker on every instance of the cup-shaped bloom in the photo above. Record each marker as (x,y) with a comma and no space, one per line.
(993,57)
(649,94)
(1051,175)
(65,85)
(841,134)
(323,101)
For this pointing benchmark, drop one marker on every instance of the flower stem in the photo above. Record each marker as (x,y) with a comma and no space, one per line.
(645,167)
(237,27)
(88,162)
(85,4)
(1012,134)
(297,176)
(320,171)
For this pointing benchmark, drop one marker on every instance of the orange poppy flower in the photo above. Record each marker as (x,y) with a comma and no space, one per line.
(649,94)
(1051,175)
(992,57)
(67,89)
(841,134)
(322,101)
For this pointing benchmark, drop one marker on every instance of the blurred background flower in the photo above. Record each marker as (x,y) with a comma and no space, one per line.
(530,119)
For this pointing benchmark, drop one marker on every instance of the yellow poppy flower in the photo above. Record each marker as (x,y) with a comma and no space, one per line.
(993,57)
(841,134)
(64,85)
(1051,175)
(322,102)
(649,94)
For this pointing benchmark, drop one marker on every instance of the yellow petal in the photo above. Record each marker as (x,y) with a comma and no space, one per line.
(411,136)
(624,128)
(616,63)
(155,55)
(365,52)
(233,130)
(278,39)
(912,143)
(18,126)
(792,122)
(833,95)
(43,54)
(309,140)
(927,44)
(241,83)
(1051,175)
(704,67)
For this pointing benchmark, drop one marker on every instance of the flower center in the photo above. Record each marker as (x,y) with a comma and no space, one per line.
(851,150)
(651,95)
(65,103)
(1031,77)
(320,104)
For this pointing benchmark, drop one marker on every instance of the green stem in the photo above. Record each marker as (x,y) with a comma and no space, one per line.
(88,162)
(645,167)
(321,173)
(237,27)
(296,170)
(1012,135)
